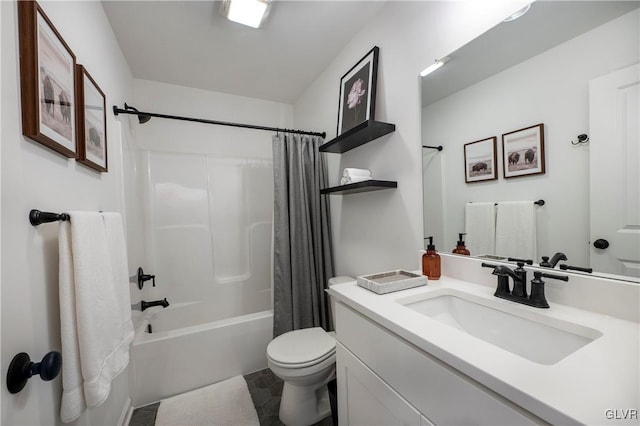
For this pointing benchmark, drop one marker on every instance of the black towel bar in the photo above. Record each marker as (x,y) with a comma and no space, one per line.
(36,217)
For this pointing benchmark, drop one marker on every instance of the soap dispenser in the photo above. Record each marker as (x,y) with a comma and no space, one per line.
(461,249)
(431,262)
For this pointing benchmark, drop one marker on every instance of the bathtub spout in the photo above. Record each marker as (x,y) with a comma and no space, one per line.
(144,305)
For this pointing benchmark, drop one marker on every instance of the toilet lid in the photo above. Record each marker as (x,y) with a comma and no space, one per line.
(301,346)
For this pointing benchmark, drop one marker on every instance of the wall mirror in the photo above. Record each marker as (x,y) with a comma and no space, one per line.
(568,66)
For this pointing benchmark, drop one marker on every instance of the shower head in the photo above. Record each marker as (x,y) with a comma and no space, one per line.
(142,118)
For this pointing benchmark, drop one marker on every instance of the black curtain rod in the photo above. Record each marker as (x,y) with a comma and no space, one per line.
(145,116)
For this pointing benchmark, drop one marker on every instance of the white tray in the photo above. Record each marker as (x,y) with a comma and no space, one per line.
(387,282)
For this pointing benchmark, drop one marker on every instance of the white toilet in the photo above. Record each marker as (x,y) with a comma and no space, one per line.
(306,361)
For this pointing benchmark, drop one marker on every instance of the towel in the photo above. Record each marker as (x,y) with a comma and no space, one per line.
(95,315)
(353,179)
(516,229)
(480,226)
(353,172)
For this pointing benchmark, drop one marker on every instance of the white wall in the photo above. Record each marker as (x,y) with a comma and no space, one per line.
(377,231)
(551,88)
(35,177)
(215,243)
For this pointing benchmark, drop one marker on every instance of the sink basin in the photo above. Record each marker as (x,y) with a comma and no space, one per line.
(538,338)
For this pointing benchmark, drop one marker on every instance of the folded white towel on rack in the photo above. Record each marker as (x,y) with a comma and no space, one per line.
(480,226)
(516,229)
(353,172)
(95,311)
(353,179)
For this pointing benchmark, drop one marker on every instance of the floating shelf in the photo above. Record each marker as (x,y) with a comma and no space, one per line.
(363,133)
(365,186)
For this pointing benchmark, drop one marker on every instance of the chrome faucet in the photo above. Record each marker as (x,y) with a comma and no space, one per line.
(537,298)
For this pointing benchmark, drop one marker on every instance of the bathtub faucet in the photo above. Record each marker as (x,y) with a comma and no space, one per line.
(144,305)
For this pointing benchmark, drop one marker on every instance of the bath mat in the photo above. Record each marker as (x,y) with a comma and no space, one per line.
(223,403)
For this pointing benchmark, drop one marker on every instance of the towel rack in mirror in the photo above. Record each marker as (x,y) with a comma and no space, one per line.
(37,217)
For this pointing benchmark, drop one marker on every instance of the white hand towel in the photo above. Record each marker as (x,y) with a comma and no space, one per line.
(354,179)
(516,229)
(480,226)
(353,172)
(95,323)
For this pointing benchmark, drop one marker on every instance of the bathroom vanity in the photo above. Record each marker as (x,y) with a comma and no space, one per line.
(452,353)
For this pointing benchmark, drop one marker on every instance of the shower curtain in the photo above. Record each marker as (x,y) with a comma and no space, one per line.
(302,259)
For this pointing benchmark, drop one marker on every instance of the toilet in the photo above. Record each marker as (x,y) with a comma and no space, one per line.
(306,361)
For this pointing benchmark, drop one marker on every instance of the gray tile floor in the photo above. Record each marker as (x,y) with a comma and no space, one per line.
(265,389)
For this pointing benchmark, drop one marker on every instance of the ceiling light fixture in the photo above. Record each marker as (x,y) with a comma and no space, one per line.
(251,13)
(437,64)
(517,14)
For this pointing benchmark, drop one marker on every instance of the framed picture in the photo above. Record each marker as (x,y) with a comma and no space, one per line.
(480,160)
(358,93)
(92,121)
(47,82)
(523,152)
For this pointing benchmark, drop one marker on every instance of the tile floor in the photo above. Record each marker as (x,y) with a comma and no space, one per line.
(265,390)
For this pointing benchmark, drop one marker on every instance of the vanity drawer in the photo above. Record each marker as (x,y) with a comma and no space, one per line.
(442,394)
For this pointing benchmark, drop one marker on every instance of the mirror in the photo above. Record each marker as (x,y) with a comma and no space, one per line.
(535,69)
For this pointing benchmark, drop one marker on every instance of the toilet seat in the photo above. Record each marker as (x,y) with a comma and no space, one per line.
(301,348)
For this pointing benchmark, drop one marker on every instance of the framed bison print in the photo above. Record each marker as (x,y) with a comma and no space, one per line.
(47,82)
(92,121)
(523,152)
(480,160)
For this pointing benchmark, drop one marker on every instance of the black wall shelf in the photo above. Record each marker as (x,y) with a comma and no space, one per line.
(365,186)
(363,133)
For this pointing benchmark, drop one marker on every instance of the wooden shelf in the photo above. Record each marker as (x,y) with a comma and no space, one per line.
(363,133)
(365,186)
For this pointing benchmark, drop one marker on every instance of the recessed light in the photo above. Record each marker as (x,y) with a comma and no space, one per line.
(251,13)
(517,14)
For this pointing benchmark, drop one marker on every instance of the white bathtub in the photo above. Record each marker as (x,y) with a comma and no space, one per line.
(190,348)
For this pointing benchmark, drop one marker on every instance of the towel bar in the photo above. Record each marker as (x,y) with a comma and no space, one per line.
(36,217)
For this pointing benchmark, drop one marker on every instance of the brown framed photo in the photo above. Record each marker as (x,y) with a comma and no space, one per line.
(47,83)
(358,93)
(480,160)
(92,121)
(523,152)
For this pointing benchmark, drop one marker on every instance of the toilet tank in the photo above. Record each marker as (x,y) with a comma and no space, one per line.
(334,281)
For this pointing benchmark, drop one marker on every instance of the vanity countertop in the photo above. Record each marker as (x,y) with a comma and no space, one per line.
(594,385)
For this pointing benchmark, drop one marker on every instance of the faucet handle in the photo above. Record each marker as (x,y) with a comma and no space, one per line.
(537,275)
(576,268)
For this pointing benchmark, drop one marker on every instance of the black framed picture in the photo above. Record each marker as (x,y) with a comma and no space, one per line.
(47,84)
(358,93)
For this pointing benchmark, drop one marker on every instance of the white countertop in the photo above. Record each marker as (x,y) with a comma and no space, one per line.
(603,375)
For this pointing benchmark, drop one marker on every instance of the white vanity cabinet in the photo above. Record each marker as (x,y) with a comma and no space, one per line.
(385,380)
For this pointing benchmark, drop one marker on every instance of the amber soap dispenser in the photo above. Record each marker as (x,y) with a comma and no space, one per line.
(431,262)
(461,248)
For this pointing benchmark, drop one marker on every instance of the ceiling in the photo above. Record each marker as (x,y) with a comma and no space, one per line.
(188,43)
(545,25)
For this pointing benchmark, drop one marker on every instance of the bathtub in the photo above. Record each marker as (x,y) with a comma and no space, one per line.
(189,347)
